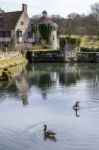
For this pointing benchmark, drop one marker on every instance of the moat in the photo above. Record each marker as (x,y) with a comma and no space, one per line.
(44,93)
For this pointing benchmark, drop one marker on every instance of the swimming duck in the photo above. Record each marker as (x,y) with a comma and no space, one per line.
(48,133)
(76,106)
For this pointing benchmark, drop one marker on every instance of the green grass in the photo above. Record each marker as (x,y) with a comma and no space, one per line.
(90,42)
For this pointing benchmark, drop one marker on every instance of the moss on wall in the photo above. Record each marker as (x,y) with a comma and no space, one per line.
(45,32)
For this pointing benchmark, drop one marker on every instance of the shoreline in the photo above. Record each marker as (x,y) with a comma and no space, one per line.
(62,56)
(10,59)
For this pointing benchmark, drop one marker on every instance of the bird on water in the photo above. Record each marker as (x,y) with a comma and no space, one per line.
(48,133)
(76,106)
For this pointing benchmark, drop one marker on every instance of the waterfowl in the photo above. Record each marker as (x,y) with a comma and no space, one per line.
(76,113)
(76,106)
(48,134)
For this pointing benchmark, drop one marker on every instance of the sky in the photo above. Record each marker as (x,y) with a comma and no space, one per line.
(57,7)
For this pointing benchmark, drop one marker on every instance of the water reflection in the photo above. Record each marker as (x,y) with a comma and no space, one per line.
(44,83)
(23,87)
(10,86)
(53,138)
(60,85)
(48,75)
(49,135)
(76,113)
(45,76)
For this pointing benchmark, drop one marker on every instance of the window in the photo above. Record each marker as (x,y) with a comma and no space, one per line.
(7,34)
(6,45)
(30,35)
(19,34)
(1,33)
(22,22)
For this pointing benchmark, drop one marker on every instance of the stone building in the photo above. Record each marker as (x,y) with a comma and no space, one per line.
(50,25)
(16,30)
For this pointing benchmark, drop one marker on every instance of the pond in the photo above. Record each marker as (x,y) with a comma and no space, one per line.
(44,93)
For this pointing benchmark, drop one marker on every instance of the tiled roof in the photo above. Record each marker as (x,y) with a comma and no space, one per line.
(8,20)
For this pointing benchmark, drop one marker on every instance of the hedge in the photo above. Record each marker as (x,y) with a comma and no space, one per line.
(83,49)
(70,40)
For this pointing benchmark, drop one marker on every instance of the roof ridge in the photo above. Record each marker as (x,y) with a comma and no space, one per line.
(11,12)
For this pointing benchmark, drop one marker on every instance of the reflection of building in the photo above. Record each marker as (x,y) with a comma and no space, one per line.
(23,87)
(44,76)
(46,23)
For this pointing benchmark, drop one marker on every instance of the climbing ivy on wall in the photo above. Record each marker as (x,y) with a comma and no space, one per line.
(70,40)
(45,31)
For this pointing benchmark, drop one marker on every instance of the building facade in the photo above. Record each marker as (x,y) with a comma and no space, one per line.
(16,30)
(47,26)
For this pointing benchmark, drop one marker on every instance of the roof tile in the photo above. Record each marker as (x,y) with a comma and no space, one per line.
(8,20)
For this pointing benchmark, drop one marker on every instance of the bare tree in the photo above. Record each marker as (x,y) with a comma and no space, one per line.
(74,24)
(94,19)
(60,22)
(95,11)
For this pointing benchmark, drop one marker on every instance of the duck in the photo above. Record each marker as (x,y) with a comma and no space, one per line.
(48,134)
(76,106)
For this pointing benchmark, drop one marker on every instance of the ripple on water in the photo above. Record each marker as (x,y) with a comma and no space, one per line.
(30,138)
(73,133)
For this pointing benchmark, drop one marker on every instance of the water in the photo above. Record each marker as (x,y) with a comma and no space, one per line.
(45,94)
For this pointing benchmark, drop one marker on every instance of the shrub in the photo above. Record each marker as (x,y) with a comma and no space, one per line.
(70,40)
(83,49)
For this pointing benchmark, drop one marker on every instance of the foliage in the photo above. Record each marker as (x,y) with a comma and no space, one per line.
(70,40)
(45,32)
(83,49)
(73,40)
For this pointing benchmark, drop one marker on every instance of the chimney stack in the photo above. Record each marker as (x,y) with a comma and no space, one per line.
(24,8)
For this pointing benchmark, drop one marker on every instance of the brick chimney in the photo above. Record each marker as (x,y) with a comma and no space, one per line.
(24,8)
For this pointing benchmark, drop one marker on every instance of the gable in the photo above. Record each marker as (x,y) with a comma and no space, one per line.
(9,20)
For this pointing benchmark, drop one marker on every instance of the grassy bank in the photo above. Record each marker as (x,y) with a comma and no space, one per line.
(10,59)
(90,42)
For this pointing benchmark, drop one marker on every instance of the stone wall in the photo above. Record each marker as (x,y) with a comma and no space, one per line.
(86,57)
(62,56)
(53,39)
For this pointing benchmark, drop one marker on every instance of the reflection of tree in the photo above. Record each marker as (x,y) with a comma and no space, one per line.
(45,81)
(48,67)
(67,73)
(68,78)
(9,86)
(5,84)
